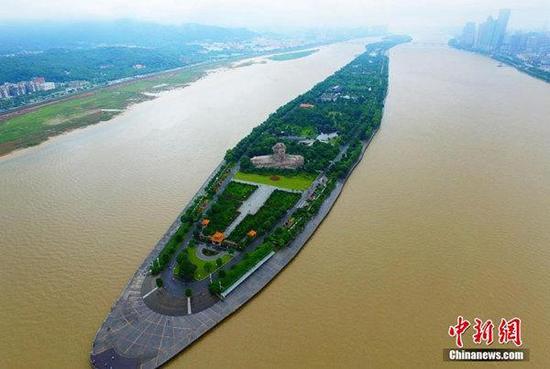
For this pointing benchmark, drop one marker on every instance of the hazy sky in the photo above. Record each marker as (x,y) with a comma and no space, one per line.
(400,15)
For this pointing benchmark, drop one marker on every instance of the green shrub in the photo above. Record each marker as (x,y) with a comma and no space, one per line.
(238,270)
(159,282)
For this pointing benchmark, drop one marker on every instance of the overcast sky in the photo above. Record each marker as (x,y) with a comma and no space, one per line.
(400,15)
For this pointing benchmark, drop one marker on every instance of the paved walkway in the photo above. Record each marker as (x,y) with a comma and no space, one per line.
(251,205)
(261,184)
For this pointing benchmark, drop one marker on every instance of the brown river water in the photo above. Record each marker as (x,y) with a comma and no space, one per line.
(448,214)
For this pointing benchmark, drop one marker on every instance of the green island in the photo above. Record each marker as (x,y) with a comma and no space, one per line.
(251,217)
(290,56)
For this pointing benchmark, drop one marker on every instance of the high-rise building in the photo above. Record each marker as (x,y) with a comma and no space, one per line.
(39,83)
(4,91)
(486,35)
(49,86)
(468,35)
(500,28)
(517,43)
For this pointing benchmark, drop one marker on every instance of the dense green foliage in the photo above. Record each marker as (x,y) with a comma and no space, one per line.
(43,35)
(169,249)
(341,168)
(238,270)
(283,235)
(194,211)
(159,282)
(349,102)
(96,65)
(224,210)
(104,51)
(265,218)
(355,118)
(185,268)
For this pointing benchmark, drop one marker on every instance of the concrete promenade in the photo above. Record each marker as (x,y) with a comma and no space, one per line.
(134,336)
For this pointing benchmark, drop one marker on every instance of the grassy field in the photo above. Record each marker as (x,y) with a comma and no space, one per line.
(35,126)
(298,182)
(290,56)
(267,216)
(200,273)
(224,210)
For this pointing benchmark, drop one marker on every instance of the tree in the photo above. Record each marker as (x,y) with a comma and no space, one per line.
(229,155)
(208,267)
(188,292)
(159,282)
(219,262)
(187,269)
(221,273)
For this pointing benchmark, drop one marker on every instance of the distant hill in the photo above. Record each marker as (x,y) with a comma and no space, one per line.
(38,36)
(103,51)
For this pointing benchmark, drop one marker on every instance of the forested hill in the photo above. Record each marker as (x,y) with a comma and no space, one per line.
(103,51)
(40,36)
(96,65)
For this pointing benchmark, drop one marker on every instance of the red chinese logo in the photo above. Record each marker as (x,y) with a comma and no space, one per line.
(458,329)
(508,331)
(484,331)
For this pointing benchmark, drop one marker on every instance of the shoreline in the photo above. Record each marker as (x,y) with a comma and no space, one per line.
(199,70)
(10,113)
(507,62)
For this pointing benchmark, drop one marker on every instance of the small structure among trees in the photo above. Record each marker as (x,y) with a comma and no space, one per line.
(217,238)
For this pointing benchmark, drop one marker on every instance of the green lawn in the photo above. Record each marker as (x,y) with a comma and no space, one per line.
(266,217)
(200,273)
(224,210)
(295,55)
(298,182)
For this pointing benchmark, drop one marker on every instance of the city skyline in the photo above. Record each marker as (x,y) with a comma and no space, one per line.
(527,51)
